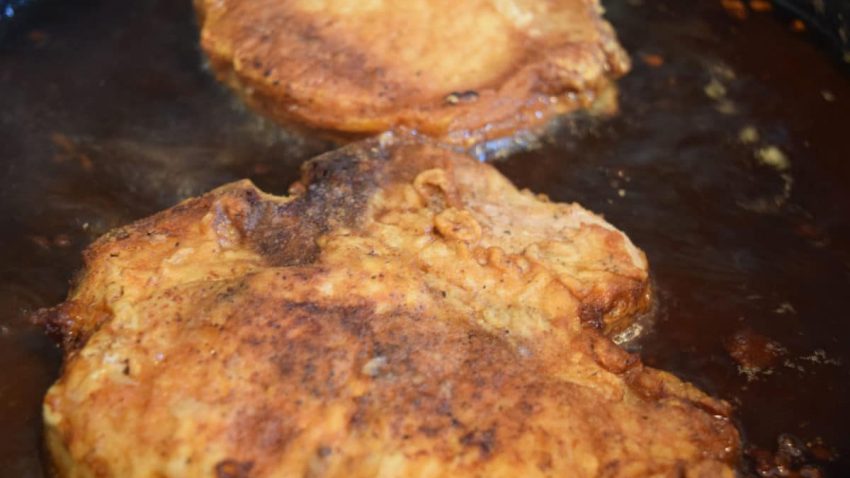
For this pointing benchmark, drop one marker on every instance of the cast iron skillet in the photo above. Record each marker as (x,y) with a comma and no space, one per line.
(107,115)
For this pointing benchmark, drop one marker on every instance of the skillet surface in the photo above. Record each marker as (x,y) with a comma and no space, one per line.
(107,115)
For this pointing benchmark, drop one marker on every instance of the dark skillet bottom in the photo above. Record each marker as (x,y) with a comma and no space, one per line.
(107,116)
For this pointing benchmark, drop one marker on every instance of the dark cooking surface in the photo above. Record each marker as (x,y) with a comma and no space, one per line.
(106,115)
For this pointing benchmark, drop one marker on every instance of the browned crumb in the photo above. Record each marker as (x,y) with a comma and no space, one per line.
(760,6)
(652,59)
(735,8)
(752,350)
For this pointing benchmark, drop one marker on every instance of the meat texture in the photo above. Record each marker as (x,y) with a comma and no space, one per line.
(406,311)
(467,71)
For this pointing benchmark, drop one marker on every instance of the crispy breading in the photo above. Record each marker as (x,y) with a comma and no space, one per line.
(404,312)
(467,71)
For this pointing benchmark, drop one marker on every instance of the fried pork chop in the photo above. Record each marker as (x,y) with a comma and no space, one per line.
(404,312)
(465,70)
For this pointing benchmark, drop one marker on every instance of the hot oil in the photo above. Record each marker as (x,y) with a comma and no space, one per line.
(107,115)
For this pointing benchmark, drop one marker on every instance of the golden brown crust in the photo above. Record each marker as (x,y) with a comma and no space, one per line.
(469,71)
(405,312)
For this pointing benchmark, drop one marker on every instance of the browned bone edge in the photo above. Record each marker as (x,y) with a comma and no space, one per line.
(212,270)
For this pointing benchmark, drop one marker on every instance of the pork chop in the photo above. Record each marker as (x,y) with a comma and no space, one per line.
(466,71)
(405,311)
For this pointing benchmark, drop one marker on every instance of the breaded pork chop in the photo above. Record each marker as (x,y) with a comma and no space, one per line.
(466,71)
(404,312)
